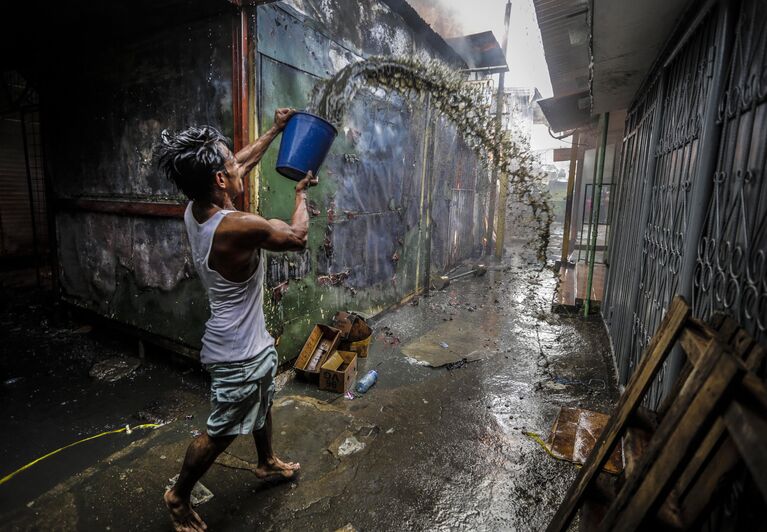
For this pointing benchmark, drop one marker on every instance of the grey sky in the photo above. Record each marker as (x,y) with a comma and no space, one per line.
(525,52)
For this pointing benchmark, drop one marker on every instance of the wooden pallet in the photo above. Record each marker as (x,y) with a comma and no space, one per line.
(715,417)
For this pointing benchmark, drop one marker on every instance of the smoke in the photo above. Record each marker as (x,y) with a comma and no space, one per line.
(440,15)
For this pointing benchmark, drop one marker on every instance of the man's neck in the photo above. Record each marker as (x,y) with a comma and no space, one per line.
(204,209)
(219,201)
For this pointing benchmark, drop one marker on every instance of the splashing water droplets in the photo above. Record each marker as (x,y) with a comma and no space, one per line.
(467,105)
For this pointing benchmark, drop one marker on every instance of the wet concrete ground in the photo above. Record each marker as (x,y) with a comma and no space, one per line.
(425,449)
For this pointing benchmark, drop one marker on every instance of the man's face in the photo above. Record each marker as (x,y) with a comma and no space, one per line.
(232,179)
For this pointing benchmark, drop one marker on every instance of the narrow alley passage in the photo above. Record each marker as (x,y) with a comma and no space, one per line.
(426,448)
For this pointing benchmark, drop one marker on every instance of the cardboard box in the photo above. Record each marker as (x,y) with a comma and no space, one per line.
(322,342)
(339,372)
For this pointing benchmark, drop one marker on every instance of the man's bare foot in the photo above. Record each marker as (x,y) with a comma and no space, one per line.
(274,467)
(184,519)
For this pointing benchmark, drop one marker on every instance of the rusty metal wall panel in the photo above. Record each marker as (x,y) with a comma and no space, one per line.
(101,131)
(134,270)
(125,97)
(368,240)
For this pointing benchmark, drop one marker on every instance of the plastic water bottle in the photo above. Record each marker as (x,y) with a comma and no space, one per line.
(367,382)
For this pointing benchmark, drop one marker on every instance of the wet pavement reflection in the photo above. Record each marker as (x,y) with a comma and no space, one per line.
(426,448)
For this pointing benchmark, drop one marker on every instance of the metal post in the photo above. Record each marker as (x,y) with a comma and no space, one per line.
(709,153)
(31,197)
(430,180)
(569,199)
(591,205)
(496,206)
(577,192)
(501,218)
(596,190)
(422,222)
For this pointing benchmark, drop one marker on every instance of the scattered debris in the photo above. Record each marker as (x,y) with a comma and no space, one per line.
(440,283)
(591,383)
(456,365)
(388,337)
(114,368)
(333,279)
(311,206)
(279,290)
(443,345)
(349,395)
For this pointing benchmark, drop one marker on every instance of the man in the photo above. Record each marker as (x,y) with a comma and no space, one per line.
(237,350)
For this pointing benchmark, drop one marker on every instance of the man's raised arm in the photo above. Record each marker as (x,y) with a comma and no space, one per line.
(249,156)
(276,235)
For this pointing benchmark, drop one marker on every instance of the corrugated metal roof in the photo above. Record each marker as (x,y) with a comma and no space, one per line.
(480,50)
(565,35)
(566,112)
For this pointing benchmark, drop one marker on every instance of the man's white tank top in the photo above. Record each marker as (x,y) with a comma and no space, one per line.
(236,329)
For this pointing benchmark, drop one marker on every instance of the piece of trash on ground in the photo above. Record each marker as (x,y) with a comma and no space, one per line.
(200,494)
(366,382)
(114,368)
(574,435)
(349,446)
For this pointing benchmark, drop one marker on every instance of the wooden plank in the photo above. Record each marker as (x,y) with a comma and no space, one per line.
(692,411)
(710,442)
(640,381)
(123,207)
(745,348)
(699,497)
(712,454)
(748,429)
(634,445)
(694,341)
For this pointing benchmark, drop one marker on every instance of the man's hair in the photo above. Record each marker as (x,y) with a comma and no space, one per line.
(191,158)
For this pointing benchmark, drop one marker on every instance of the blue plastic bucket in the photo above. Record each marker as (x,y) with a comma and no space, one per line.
(305,142)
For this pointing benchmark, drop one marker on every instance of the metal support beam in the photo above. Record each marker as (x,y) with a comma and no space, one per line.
(242,91)
(30,191)
(596,190)
(500,223)
(569,199)
(496,208)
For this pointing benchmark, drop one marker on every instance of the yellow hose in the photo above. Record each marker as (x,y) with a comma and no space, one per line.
(537,439)
(126,428)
